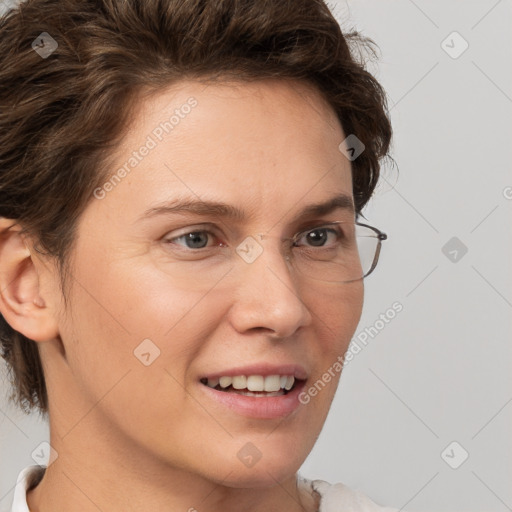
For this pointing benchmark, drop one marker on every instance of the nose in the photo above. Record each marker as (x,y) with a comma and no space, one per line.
(266,295)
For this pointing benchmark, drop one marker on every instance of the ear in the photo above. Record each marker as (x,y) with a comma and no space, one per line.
(21,302)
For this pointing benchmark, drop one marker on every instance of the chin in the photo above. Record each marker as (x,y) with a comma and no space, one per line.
(260,468)
(261,476)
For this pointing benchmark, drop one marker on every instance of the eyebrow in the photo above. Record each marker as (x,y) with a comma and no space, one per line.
(224,210)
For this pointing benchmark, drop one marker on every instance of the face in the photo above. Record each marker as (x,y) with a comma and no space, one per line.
(154,315)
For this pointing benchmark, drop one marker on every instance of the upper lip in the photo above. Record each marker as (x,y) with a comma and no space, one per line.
(264,369)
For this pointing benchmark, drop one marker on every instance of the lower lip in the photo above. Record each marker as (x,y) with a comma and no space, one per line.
(258,407)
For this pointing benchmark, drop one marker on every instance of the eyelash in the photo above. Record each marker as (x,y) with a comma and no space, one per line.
(337,231)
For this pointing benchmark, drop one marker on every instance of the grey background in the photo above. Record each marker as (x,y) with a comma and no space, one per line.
(440,370)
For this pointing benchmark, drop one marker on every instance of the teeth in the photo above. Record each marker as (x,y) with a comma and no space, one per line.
(272,383)
(240,382)
(250,393)
(225,382)
(254,383)
(213,382)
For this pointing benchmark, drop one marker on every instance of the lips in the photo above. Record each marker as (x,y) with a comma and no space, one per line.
(259,391)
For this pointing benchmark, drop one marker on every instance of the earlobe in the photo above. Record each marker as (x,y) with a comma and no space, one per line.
(21,303)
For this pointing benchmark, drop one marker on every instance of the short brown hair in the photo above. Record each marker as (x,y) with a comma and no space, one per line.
(61,116)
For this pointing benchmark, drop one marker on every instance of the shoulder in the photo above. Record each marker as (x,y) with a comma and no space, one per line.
(334,496)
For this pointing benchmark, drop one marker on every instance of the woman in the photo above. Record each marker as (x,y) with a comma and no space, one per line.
(181,256)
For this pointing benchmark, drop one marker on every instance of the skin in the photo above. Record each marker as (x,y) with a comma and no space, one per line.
(132,437)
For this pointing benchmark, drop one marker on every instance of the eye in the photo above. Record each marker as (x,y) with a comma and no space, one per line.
(196,239)
(317,237)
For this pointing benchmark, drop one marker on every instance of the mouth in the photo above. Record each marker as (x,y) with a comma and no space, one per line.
(258,391)
(254,385)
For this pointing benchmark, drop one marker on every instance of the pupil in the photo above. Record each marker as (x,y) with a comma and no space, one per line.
(315,238)
(195,238)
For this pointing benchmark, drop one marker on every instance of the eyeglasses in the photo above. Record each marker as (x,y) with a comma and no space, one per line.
(337,252)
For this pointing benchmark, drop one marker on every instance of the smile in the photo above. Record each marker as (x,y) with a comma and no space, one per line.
(252,385)
(259,391)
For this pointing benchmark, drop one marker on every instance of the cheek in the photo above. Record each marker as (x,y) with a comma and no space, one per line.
(124,320)
(336,312)
(133,302)
(130,343)
(351,307)
(336,315)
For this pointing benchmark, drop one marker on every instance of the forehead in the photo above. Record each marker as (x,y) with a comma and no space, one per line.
(265,147)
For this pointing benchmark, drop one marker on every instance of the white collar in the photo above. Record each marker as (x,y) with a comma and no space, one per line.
(25,478)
